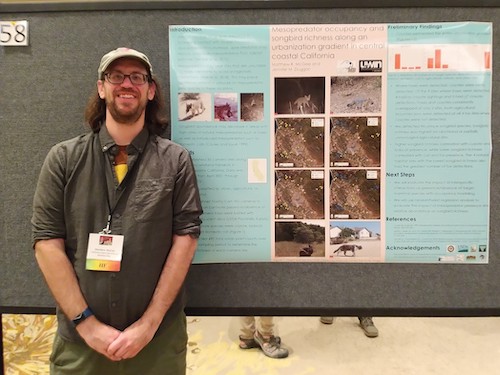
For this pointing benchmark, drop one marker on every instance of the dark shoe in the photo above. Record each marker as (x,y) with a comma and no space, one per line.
(248,343)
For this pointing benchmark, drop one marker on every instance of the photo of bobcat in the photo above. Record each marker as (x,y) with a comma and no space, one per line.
(252,106)
(356,94)
(192,107)
(195,108)
(361,104)
(223,112)
(299,239)
(306,251)
(346,248)
(299,95)
(354,241)
(226,107)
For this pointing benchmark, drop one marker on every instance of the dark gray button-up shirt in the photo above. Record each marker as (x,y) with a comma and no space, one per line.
(159,197)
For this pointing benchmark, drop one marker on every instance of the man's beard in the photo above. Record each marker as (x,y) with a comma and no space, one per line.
(125,117)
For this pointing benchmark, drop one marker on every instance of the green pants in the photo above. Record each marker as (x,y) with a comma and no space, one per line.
(165,355)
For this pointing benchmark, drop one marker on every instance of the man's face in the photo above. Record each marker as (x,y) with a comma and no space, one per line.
(126,102)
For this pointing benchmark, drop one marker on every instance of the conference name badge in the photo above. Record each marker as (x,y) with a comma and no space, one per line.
(104,252)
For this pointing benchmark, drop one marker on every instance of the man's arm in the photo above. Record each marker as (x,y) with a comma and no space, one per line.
(63,284)
(174,272)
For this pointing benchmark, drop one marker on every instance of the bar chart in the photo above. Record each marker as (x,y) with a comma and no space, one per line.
(421,57)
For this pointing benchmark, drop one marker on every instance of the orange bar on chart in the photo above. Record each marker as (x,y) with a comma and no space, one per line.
(487,60)
(430,63)
(397,61)
(438,58)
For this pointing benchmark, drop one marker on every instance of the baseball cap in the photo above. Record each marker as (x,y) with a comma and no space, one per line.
(118,53)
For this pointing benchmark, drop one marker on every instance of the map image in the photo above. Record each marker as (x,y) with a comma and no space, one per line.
(355,141)
(298,144)
(355,194)
(299,195)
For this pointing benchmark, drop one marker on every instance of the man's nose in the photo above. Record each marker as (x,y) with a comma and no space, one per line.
(127,81)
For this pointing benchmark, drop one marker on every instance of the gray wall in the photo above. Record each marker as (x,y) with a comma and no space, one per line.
(44,88)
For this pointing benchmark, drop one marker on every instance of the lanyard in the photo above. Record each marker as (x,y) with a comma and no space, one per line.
(111,210)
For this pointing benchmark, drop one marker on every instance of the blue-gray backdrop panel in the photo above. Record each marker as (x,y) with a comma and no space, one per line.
(44,89)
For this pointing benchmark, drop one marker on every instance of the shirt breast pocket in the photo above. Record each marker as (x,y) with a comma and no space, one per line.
(153,198)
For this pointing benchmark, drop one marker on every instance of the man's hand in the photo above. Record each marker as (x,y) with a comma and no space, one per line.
(98,336)
(131,341)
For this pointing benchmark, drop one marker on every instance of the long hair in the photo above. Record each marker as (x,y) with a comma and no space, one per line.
(155,118)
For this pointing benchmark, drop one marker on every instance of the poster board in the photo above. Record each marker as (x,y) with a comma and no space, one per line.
(337,142)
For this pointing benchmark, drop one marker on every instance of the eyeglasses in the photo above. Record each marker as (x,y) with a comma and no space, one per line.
(116,78)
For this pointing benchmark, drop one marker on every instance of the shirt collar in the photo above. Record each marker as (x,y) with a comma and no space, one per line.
(138,143)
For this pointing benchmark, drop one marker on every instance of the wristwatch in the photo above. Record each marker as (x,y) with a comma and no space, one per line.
(82,316)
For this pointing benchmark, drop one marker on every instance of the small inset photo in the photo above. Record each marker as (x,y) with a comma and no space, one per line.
(299,239)
(299,95)
(226,107)
(194,106)
(354,239)
(105,240)
(356,94)
(252,107)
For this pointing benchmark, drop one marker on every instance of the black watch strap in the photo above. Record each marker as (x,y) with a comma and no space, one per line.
(82,316)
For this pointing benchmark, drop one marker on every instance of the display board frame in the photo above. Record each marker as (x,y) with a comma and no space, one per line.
(47,84)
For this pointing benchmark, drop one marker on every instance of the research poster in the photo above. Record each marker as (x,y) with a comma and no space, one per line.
(337,143)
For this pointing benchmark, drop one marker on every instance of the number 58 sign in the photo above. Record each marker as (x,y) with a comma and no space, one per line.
(13,33)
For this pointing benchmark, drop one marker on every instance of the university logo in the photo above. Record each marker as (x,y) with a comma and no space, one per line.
(370,66)
(346,66)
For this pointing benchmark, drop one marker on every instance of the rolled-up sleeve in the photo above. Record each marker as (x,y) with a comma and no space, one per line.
(48,202)
(187,203)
